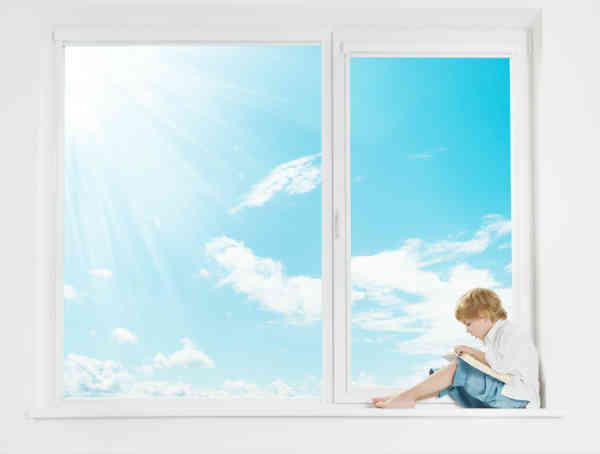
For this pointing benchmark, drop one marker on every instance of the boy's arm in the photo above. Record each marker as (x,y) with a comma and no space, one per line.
(477,354)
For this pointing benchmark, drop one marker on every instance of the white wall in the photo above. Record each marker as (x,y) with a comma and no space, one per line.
(566,183)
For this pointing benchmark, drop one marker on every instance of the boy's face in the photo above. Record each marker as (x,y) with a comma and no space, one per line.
(478,327)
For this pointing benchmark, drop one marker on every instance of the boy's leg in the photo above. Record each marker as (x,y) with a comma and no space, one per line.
(384,398)
(427,388)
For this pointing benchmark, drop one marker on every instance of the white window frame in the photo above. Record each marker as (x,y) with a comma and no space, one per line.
(511,44)
(51,386)
(337,43)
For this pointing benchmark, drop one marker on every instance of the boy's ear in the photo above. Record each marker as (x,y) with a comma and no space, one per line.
(485,314)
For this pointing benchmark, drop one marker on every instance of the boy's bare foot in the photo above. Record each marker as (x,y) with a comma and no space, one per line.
(380,399)
(397,402)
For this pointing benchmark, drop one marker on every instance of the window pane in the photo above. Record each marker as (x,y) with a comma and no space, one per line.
(192,221)
(430,207)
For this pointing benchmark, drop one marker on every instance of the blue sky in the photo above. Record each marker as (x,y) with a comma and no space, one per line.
(430,205)
(193,216)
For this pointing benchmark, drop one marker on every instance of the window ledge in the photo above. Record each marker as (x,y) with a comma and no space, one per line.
(342,410)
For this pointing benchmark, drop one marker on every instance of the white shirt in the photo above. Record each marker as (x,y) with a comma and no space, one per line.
(510,350)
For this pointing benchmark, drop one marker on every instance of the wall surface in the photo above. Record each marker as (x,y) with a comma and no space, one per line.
(566,185)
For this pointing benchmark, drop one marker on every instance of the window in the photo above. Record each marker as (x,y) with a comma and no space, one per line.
(192,222)
(205,193)
(432,149)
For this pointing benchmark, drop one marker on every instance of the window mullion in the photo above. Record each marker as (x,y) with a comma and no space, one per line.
(340,204)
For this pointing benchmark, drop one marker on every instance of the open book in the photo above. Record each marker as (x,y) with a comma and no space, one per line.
(451,356)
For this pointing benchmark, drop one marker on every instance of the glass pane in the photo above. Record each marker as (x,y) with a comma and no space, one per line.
(192,222)
(430,207)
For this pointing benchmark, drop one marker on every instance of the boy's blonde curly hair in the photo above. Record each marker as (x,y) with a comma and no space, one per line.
(478,302)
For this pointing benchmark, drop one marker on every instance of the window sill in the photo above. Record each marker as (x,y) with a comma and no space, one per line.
(340,410)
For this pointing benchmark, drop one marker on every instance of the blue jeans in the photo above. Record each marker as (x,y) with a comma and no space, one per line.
(471,388)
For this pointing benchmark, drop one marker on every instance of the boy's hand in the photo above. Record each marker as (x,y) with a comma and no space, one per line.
(460,349)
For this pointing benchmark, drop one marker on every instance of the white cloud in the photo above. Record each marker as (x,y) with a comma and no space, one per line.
(240,386)
(146,369)
(504,245)
(203,273)
(186,356)
(387,271)
(92,332)
(364,380)
(280,389)
(385,321)
(427,154)
(494,226)
(101,273)
(160,389)
(420,156)
(123,336)
(358,295)
(232,389)
(276,389)
(457,235)
(369,340)
(381,277)
(264,281)
(295,177)
(89,376)
(69,292)
(385,296)
(508,268)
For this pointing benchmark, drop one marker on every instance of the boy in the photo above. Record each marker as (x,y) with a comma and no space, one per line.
(508,350)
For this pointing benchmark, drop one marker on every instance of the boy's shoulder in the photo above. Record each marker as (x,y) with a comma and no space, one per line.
(507,328)
(510,329)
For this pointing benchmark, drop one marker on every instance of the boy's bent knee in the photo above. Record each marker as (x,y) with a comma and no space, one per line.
(452,368)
